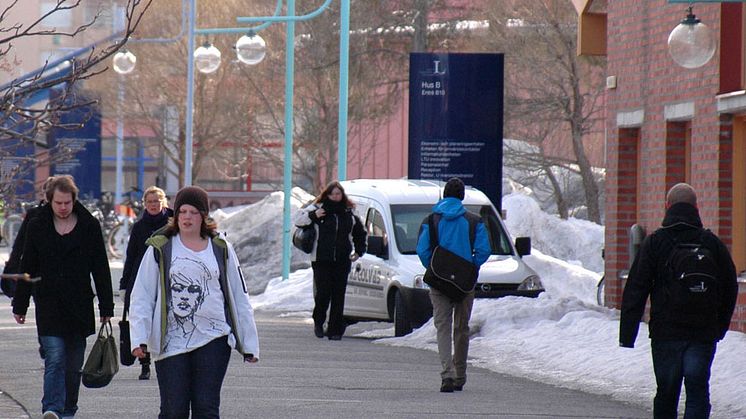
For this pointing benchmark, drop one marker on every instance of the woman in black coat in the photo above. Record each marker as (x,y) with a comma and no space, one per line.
(155,216)
(340,240)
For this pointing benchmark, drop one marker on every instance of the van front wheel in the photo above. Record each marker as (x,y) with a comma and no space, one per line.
(402,323)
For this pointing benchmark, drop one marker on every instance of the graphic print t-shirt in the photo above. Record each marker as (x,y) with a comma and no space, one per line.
(195,306)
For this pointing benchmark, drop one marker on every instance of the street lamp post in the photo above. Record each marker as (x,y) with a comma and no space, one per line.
(344,34)
(251,50)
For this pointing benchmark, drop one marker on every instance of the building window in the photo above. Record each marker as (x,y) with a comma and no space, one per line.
(738,245)
(629,177)
(60,19)
(732,71)
(678,152)
(101,11)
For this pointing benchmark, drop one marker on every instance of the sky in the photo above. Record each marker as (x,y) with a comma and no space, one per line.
(562,337)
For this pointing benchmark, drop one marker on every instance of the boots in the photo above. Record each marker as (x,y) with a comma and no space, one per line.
(145,374)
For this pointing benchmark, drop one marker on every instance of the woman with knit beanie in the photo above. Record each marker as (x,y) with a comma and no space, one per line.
(189,308)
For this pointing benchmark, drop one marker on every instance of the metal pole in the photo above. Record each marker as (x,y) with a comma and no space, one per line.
(120,143)
(188,143)
(344,59)
(288,164)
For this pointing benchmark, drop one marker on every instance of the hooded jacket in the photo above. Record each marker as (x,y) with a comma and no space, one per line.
(647,275)
(453,234)
(148,307)
(63,297)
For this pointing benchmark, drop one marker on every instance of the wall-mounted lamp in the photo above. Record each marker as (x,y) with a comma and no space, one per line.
(691,43)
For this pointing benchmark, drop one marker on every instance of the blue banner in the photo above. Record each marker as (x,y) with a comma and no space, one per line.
(456,119)
(84,148)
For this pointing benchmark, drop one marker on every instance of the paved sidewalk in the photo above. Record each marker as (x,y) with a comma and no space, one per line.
(11,409)
(300,376)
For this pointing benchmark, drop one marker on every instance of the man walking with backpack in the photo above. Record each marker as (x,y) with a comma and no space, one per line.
(449,315)
(691,280)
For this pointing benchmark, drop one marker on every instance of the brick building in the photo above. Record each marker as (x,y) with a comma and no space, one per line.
(667,124)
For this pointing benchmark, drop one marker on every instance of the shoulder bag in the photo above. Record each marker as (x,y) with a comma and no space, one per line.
(448,272)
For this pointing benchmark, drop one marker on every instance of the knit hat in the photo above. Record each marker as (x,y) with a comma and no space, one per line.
(194,196)
(454,188)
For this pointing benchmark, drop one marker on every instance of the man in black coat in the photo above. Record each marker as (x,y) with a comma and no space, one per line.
(64,247)
(683,340)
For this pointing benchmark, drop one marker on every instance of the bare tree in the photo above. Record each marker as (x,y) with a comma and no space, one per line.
(553,96)
(244,105)
(23,124)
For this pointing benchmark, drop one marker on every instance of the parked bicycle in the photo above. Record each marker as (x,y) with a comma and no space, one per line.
(13,221)
(119,235)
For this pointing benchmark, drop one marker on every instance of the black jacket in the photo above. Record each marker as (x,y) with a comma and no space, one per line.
(646,279)
(338,231)
(141,231)
(64,298)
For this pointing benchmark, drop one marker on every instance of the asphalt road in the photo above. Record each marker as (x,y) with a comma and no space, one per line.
(301,376)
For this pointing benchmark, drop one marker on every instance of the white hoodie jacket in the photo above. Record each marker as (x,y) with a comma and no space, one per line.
(148,310)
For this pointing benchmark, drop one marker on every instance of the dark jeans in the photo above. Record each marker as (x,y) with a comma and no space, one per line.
(193,379)
(63,362)
(674,361)
(329,286)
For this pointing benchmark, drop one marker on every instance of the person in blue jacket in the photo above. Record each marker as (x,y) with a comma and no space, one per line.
(451,318)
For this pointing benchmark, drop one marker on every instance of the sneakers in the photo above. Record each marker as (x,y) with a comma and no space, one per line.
(50,415)
(318,330)
(145,374)
(447,385)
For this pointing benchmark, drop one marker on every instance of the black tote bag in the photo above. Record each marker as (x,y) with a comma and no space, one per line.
(103,362)
(125,352)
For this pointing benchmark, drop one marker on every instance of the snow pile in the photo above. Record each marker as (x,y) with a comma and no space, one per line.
(256,233)
(577,241)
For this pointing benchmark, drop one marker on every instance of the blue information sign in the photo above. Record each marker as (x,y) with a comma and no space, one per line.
(84,145)
(456,119)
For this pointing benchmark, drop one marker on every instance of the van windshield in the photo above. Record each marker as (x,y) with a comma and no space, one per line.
(407,220)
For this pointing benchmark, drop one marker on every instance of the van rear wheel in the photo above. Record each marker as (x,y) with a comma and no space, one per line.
(402,323)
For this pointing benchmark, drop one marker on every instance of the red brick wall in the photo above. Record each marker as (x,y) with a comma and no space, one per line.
(649,80)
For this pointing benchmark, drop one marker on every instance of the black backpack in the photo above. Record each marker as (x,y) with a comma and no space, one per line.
(692,285)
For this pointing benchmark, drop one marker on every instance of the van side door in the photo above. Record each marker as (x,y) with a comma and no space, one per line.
(366,284)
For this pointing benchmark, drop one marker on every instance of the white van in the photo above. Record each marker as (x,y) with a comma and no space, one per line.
(386,283)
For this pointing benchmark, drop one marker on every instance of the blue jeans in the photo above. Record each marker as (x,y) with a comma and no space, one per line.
(674,361)
(194,378)
(63,361)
